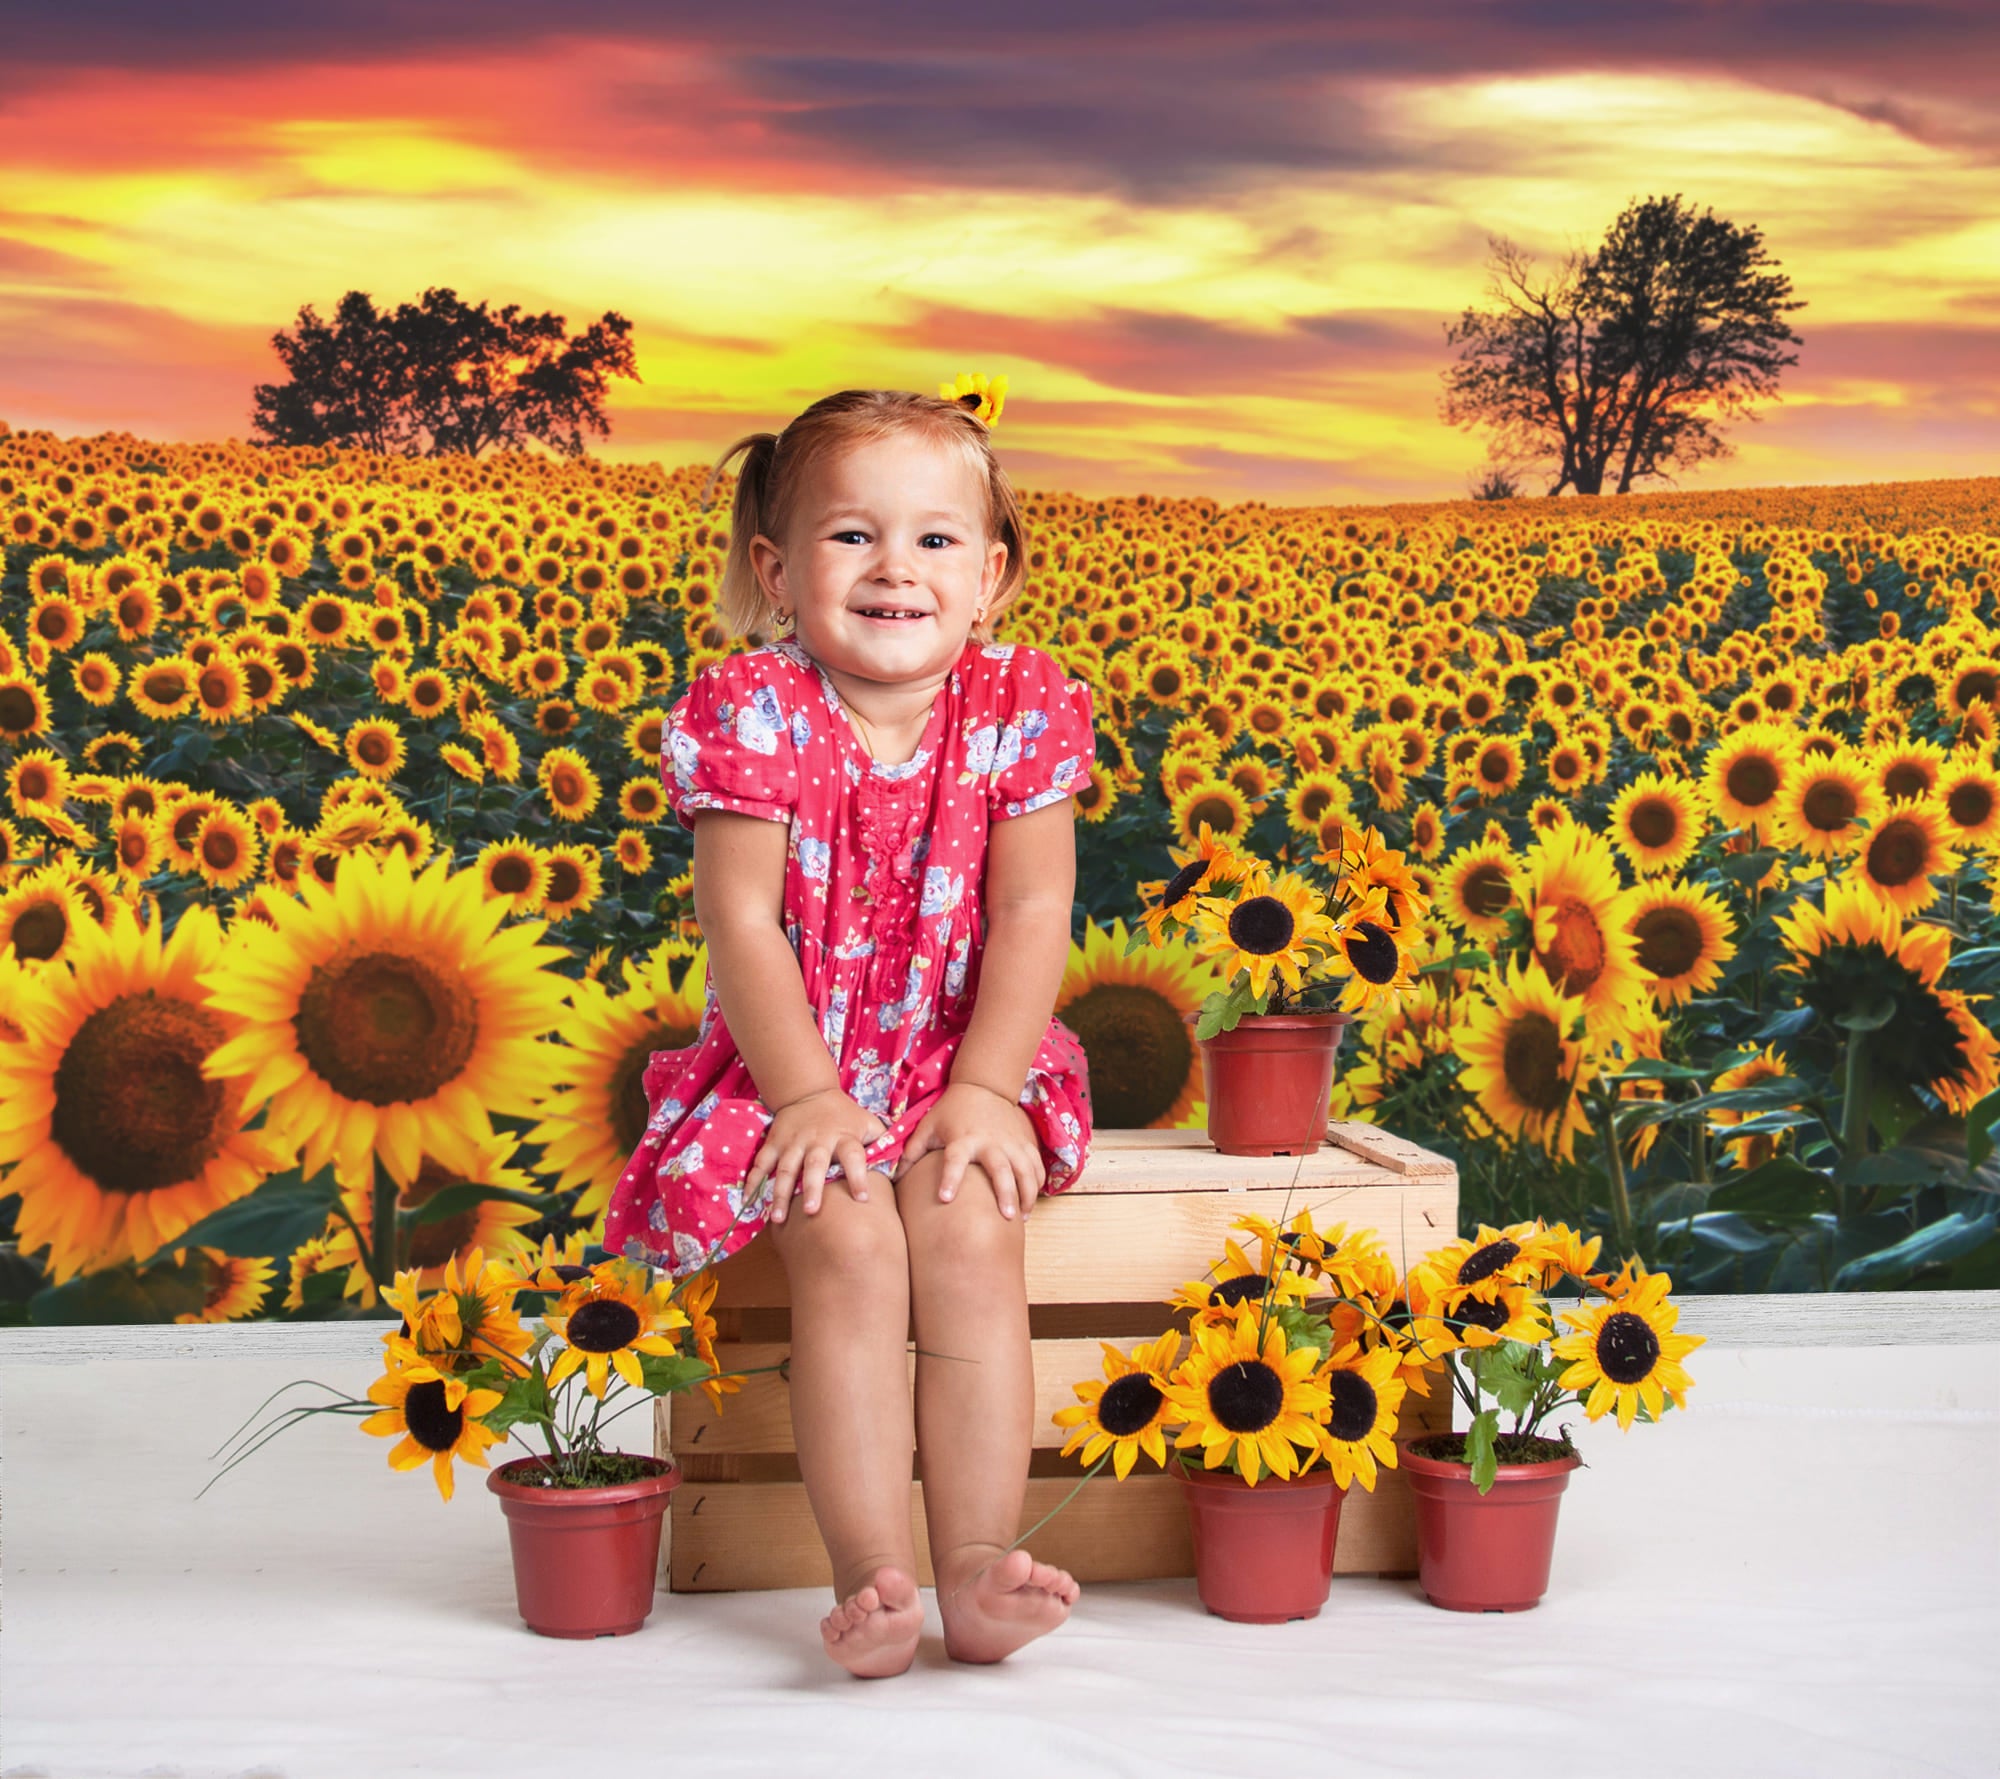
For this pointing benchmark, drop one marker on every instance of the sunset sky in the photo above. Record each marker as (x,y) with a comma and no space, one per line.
(1213,248)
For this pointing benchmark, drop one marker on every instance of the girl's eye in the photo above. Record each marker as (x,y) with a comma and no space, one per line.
(840,536)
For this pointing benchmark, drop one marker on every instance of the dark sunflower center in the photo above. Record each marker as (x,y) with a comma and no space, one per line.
(1353,1405)
(1906,780)
(1495,765)
(1476,1312)
(1970,804)
(17,710)
(1654,822)
(39,931)
(1246,1397)
(1129,1404)
(1752,781)
(1979,683)
(1372,951)
(1486,890)
(1627,1348)
(1829,805)
(221,850)
(1216,811)
(1531,1061)
(565,882)
(1576,956)
(1483,1263)
(565,786)
(374,748)
(432,1425)
(1137,1049)
(603,1326)
(1669,941)
(165,686)
(1261,924)
(512,874)
(1182,881)
(629,1108)
(132,1110)
(1899,852)
(382,1027)
(1244,1288)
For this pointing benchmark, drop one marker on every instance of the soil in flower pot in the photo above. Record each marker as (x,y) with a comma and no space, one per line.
(1262,1555)
(1491,1552)
(585,1559)
(1269,1081)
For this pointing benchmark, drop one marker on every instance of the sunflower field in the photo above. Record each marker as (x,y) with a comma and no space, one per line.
(340,906)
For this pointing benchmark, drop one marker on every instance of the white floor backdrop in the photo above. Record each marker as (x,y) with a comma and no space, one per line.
(1797,1577)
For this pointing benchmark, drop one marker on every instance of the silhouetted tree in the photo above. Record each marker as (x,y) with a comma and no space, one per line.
(1611,371)
(439,376)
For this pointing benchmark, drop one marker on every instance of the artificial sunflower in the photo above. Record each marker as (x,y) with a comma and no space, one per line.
(1365,1395)
(1626,1352)
(1248,1404)
(1273,928)
(606,1319)
(389,1012)
(438,1417)
(1127,1410)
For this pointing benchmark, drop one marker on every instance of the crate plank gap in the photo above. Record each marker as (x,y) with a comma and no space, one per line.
(1150,1212)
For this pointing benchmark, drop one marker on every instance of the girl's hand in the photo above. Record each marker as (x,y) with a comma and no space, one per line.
(803,1136)
(972,1123)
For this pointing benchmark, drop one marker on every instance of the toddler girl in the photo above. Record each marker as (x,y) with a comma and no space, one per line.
(884,795)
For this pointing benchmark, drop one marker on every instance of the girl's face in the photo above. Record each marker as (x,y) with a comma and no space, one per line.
(896,526)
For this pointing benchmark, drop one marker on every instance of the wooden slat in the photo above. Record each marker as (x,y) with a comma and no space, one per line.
(735,1536)
(1385,1149)
(1125,1247)
(1185,1161)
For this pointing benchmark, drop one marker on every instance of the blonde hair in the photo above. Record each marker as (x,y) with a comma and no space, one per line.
(776,465)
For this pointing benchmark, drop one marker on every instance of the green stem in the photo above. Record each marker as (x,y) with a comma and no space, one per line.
(1621,1197)
(383,1259)
(1853,1110)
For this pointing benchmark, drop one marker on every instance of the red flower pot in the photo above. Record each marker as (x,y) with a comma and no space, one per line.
(1491,1552)
(1262,1555)
(1268,1082)
(585,1560)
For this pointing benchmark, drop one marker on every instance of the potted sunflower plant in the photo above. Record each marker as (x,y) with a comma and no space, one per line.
(1487,1499)
(1302,952)
(1290,1387)
(461,1373)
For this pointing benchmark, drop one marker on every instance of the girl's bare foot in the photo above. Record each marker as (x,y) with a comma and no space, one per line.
(873,1632)
(1009,1601)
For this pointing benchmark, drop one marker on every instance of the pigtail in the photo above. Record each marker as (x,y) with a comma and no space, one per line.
(740,601)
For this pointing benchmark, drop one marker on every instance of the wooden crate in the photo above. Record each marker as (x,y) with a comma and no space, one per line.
(1150,1213)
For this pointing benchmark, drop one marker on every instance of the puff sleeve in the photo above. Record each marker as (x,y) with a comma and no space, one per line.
(1043,741)
(729,744)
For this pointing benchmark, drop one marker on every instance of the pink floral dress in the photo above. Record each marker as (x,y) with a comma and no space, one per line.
(884,883)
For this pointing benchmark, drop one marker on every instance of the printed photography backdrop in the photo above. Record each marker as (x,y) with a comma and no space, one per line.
(1552,437)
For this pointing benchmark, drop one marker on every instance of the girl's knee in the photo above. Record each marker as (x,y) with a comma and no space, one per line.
(851,1241)
(968,1235)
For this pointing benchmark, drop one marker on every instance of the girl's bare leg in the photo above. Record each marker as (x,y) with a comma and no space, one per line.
(975,1409)
(848,1268)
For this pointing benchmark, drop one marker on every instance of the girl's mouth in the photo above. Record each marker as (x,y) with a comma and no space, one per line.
(890,614)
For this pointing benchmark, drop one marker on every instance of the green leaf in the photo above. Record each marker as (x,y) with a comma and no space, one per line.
(1748,867)
(1895,1110)
(1781,1188)
(122,1294)
(666,1373)
(1946,1239)
(523,1402)
(449,1201)
(1464,960)
(1893,1167)
(1506,1378)
(1979,1125)
(1649,1068)
(1479,1451)
(271,1222)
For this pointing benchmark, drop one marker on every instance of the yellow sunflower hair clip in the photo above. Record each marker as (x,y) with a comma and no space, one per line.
(982,395)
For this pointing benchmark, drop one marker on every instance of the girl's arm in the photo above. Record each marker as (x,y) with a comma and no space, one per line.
(1030,891)
(739,901)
